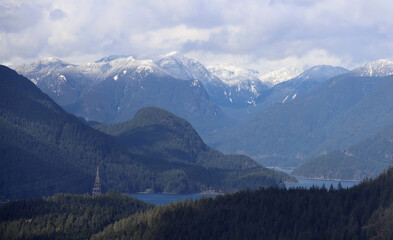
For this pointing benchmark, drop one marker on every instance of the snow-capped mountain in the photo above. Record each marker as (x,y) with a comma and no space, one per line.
(186,68)
(114,88)
(44,67)
(288,91)
(319,73)
(232,75)
(62,81)
(379,68)
(283,74)
(243,84)
(238,90)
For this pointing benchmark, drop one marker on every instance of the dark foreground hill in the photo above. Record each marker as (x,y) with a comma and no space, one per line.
(367,158)
(361,212)
(45,150)
(65,216)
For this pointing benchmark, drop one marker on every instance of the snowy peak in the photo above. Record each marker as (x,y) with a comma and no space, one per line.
(232,75)
(320,73)
(45,64)
(282,74)
(183,67)
(379,68)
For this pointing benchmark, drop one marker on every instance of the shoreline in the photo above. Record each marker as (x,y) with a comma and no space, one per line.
(165,193)
(290,169)
(328,179)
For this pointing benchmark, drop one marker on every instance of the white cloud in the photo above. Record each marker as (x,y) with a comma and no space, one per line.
(249,32)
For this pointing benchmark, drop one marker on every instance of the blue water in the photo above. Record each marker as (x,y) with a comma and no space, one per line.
(307,183)
(163,199)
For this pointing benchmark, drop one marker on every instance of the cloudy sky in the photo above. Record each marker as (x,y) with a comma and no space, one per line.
(259,34)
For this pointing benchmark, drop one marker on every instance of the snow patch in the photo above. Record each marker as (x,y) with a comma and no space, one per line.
(195,83)
(62,78)
(294,96)
(144,68)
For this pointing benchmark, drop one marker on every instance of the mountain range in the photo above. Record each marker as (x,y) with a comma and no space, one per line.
(116,87)
(45,150)
(323,109)
(334,115)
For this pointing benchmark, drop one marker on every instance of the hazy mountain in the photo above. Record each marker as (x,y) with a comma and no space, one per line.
(45,150)
(367,158)
(287,91)
(282,74)
(338,113)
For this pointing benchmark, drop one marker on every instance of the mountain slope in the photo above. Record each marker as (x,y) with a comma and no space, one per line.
(289,90)
(227,86)
(338,113)
(367,158)
(45,150)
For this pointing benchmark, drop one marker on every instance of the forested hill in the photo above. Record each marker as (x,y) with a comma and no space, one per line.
(362,212)
(65,216)
(160,134)
(44,150)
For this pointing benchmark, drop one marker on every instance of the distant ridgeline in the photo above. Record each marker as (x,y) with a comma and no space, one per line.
(335,115)
(367,158)
(362,212)
(44,150)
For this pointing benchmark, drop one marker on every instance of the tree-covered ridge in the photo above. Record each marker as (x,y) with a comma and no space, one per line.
(65,216)
(44,150)
(361,212)
(161,134)
(367,158)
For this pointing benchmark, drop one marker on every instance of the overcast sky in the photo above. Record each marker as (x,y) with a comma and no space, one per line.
(263,35)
